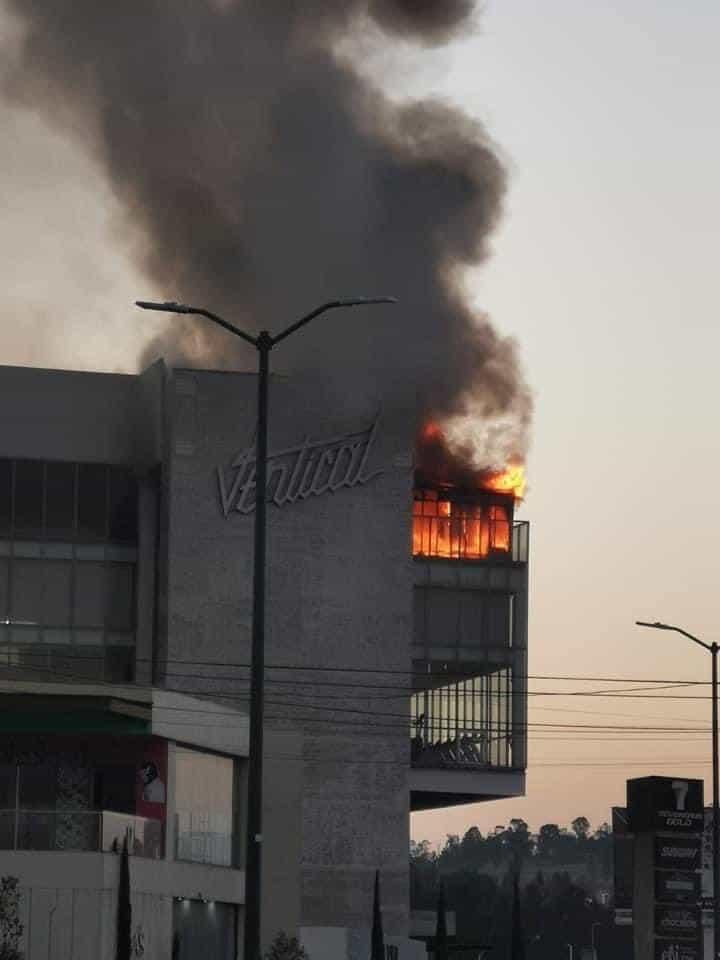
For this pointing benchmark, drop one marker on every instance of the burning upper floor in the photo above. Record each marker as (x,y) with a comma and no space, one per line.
(460,512)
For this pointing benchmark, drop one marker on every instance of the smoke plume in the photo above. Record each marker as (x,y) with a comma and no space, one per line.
(267,175)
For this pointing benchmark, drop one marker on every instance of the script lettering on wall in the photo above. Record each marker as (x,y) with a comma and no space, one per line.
(310,469)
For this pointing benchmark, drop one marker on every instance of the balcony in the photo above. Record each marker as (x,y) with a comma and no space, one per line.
(464,723)
(464,538)
(464,752)
(86,831)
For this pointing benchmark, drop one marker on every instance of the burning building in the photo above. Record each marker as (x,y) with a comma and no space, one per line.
(260,166)
(395,658)
(469,649)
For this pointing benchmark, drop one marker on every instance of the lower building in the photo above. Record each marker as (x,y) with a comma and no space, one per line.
(84,771)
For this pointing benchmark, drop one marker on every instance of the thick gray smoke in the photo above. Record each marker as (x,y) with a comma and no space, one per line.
(267,176)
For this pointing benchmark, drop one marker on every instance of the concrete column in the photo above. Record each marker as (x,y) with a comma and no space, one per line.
(146,575)
(171,804)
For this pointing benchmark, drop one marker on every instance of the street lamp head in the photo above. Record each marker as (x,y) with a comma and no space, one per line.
(363,301)
(167,306)
(656,625)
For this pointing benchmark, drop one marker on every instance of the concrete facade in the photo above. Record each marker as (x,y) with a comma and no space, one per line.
(339,596)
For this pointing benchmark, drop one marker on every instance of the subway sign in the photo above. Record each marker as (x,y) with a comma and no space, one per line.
(682,853)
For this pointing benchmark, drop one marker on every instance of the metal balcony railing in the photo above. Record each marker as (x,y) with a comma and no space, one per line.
(80,831)
(463,752)
(453,538)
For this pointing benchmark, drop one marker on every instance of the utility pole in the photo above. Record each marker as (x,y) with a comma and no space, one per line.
(712,649)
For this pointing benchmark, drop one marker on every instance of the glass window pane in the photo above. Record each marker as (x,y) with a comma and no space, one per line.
(90,594)
(26,591)
(123,505)
(89,638)
(7,786)
(28,548)
(57,637)
(38,786)
(5,496)
(29,498)
(497,621)
(21,636)
(84,551)
(57,550)
(204,807)
(115,788)
(120,614)
(57,593)
(4,571)
(119,639)
(120,664)
(92,500)
(60,501)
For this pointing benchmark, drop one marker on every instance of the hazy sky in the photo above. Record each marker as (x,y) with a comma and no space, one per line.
(603,270)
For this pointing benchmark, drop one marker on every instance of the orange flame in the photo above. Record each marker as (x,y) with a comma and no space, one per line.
(510,480)
(431,431)
(450,527)
(441,528)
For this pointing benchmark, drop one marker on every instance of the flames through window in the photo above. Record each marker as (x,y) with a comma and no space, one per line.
(445,526)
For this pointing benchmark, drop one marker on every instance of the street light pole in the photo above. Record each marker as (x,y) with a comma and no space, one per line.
(263,344)
(716,806)
(712,649)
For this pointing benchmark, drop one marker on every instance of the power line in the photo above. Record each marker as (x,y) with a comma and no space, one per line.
(377,670)
(405,718)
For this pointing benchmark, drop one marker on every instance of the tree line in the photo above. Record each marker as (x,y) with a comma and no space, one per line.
(565,879)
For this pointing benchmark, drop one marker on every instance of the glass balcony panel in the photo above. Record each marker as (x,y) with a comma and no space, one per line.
(204,838)
(35,830)
(80,831)
(145,837)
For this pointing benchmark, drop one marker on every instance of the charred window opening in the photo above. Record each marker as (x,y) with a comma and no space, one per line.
(451,526)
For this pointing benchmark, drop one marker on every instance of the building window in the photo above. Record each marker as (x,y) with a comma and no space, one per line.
(458,529)
(204,807)
(68,801)
(68,552)
(466,723)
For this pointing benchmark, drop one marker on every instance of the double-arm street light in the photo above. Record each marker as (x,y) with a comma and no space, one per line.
(263,343)
(712,649)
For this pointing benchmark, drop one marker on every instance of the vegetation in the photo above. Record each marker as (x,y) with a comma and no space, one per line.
(123,947)
(286,948)
(565,878)
(11,929)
